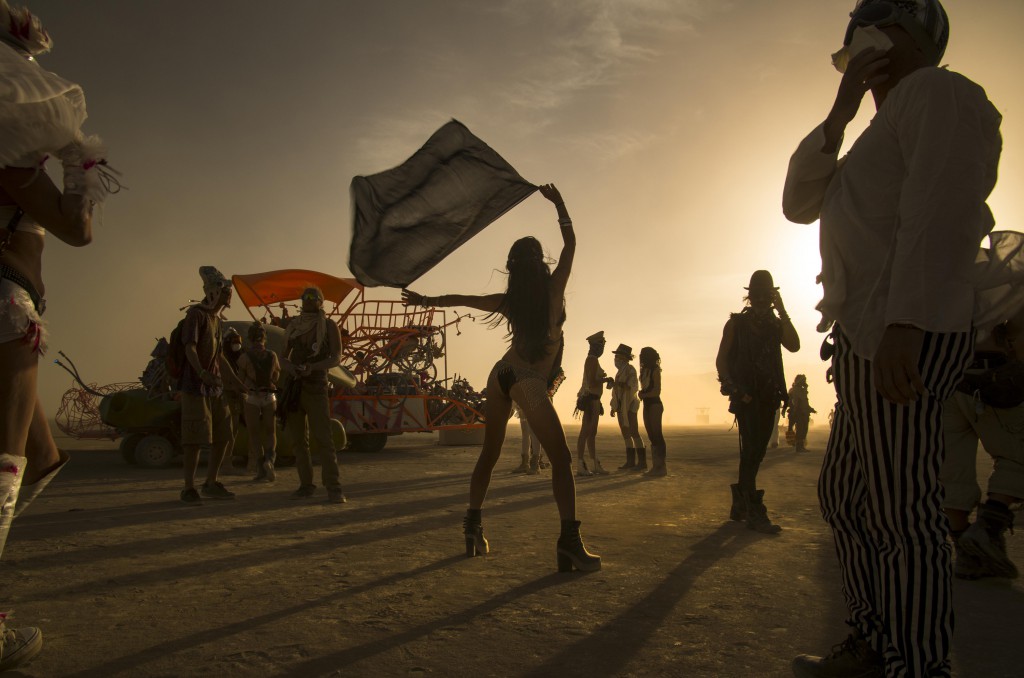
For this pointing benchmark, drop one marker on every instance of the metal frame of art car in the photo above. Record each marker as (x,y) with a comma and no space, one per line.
(396,353)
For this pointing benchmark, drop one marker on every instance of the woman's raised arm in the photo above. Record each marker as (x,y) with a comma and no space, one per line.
(564,267)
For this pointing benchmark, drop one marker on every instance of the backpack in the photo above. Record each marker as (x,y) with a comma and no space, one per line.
(175,359)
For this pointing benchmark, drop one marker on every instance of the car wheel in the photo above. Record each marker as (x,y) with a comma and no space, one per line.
(154,451)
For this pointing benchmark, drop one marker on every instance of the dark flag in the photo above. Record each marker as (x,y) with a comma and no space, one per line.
(407,219)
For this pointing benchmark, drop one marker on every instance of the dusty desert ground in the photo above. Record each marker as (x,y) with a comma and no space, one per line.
(126,581)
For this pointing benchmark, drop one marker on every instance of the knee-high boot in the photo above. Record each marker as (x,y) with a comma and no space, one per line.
(757,514)
(658,469)
(12,470)
(739,503)
(641,459)
(630,459)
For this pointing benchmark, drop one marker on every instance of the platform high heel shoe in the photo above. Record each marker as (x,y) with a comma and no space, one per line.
(571,552)
(476,544)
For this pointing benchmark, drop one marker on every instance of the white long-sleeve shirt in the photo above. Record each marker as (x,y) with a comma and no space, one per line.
(624,392)
(903,213)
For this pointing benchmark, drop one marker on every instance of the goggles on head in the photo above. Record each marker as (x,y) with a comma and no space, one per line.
(312,295)
(882,14)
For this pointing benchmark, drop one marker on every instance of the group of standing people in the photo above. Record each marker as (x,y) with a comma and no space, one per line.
(628,391)
(209,376)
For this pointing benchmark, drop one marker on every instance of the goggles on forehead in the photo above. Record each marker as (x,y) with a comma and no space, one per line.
(873,14)
(883,14)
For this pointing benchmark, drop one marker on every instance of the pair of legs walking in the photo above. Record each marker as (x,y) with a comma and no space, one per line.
(880,492)
(529,392)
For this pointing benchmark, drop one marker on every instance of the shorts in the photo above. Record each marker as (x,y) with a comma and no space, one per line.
(205,420)
(19,320)
(260,398)
(1000,432)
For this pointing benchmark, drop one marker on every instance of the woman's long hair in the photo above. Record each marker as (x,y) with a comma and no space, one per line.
(649,358)
(649,361)
(527,303)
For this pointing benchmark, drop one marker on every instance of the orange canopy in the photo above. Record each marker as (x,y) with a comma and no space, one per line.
(272,287)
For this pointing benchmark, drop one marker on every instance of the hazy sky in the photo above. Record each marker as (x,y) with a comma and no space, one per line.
(667,125)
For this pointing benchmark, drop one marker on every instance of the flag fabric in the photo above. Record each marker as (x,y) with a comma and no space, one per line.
(406,220)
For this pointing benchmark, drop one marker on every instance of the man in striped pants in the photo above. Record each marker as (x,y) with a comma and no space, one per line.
(902,217)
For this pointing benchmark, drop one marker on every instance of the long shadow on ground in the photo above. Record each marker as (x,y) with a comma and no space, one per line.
(630,630)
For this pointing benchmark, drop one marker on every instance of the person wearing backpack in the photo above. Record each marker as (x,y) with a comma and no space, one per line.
(313,347)
(205,416)
(259,369)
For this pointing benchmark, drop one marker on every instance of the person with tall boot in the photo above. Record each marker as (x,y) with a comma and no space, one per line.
(533,309)
(625,406)
(654,409)
(749,366)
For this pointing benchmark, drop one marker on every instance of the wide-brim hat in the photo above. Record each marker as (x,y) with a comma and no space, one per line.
(624,351)
(761,281)
(596,337)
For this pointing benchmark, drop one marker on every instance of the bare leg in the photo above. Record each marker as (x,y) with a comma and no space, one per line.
(40,450)
(496,411)
(546,425)
(634,439)
(217,454)
(958,519)
(19,367)
(588,433)
(190,462)
(524,428)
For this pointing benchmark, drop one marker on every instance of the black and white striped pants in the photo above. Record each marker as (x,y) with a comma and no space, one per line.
(879,490)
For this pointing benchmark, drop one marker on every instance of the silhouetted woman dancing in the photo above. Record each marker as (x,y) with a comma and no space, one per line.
(533,307)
